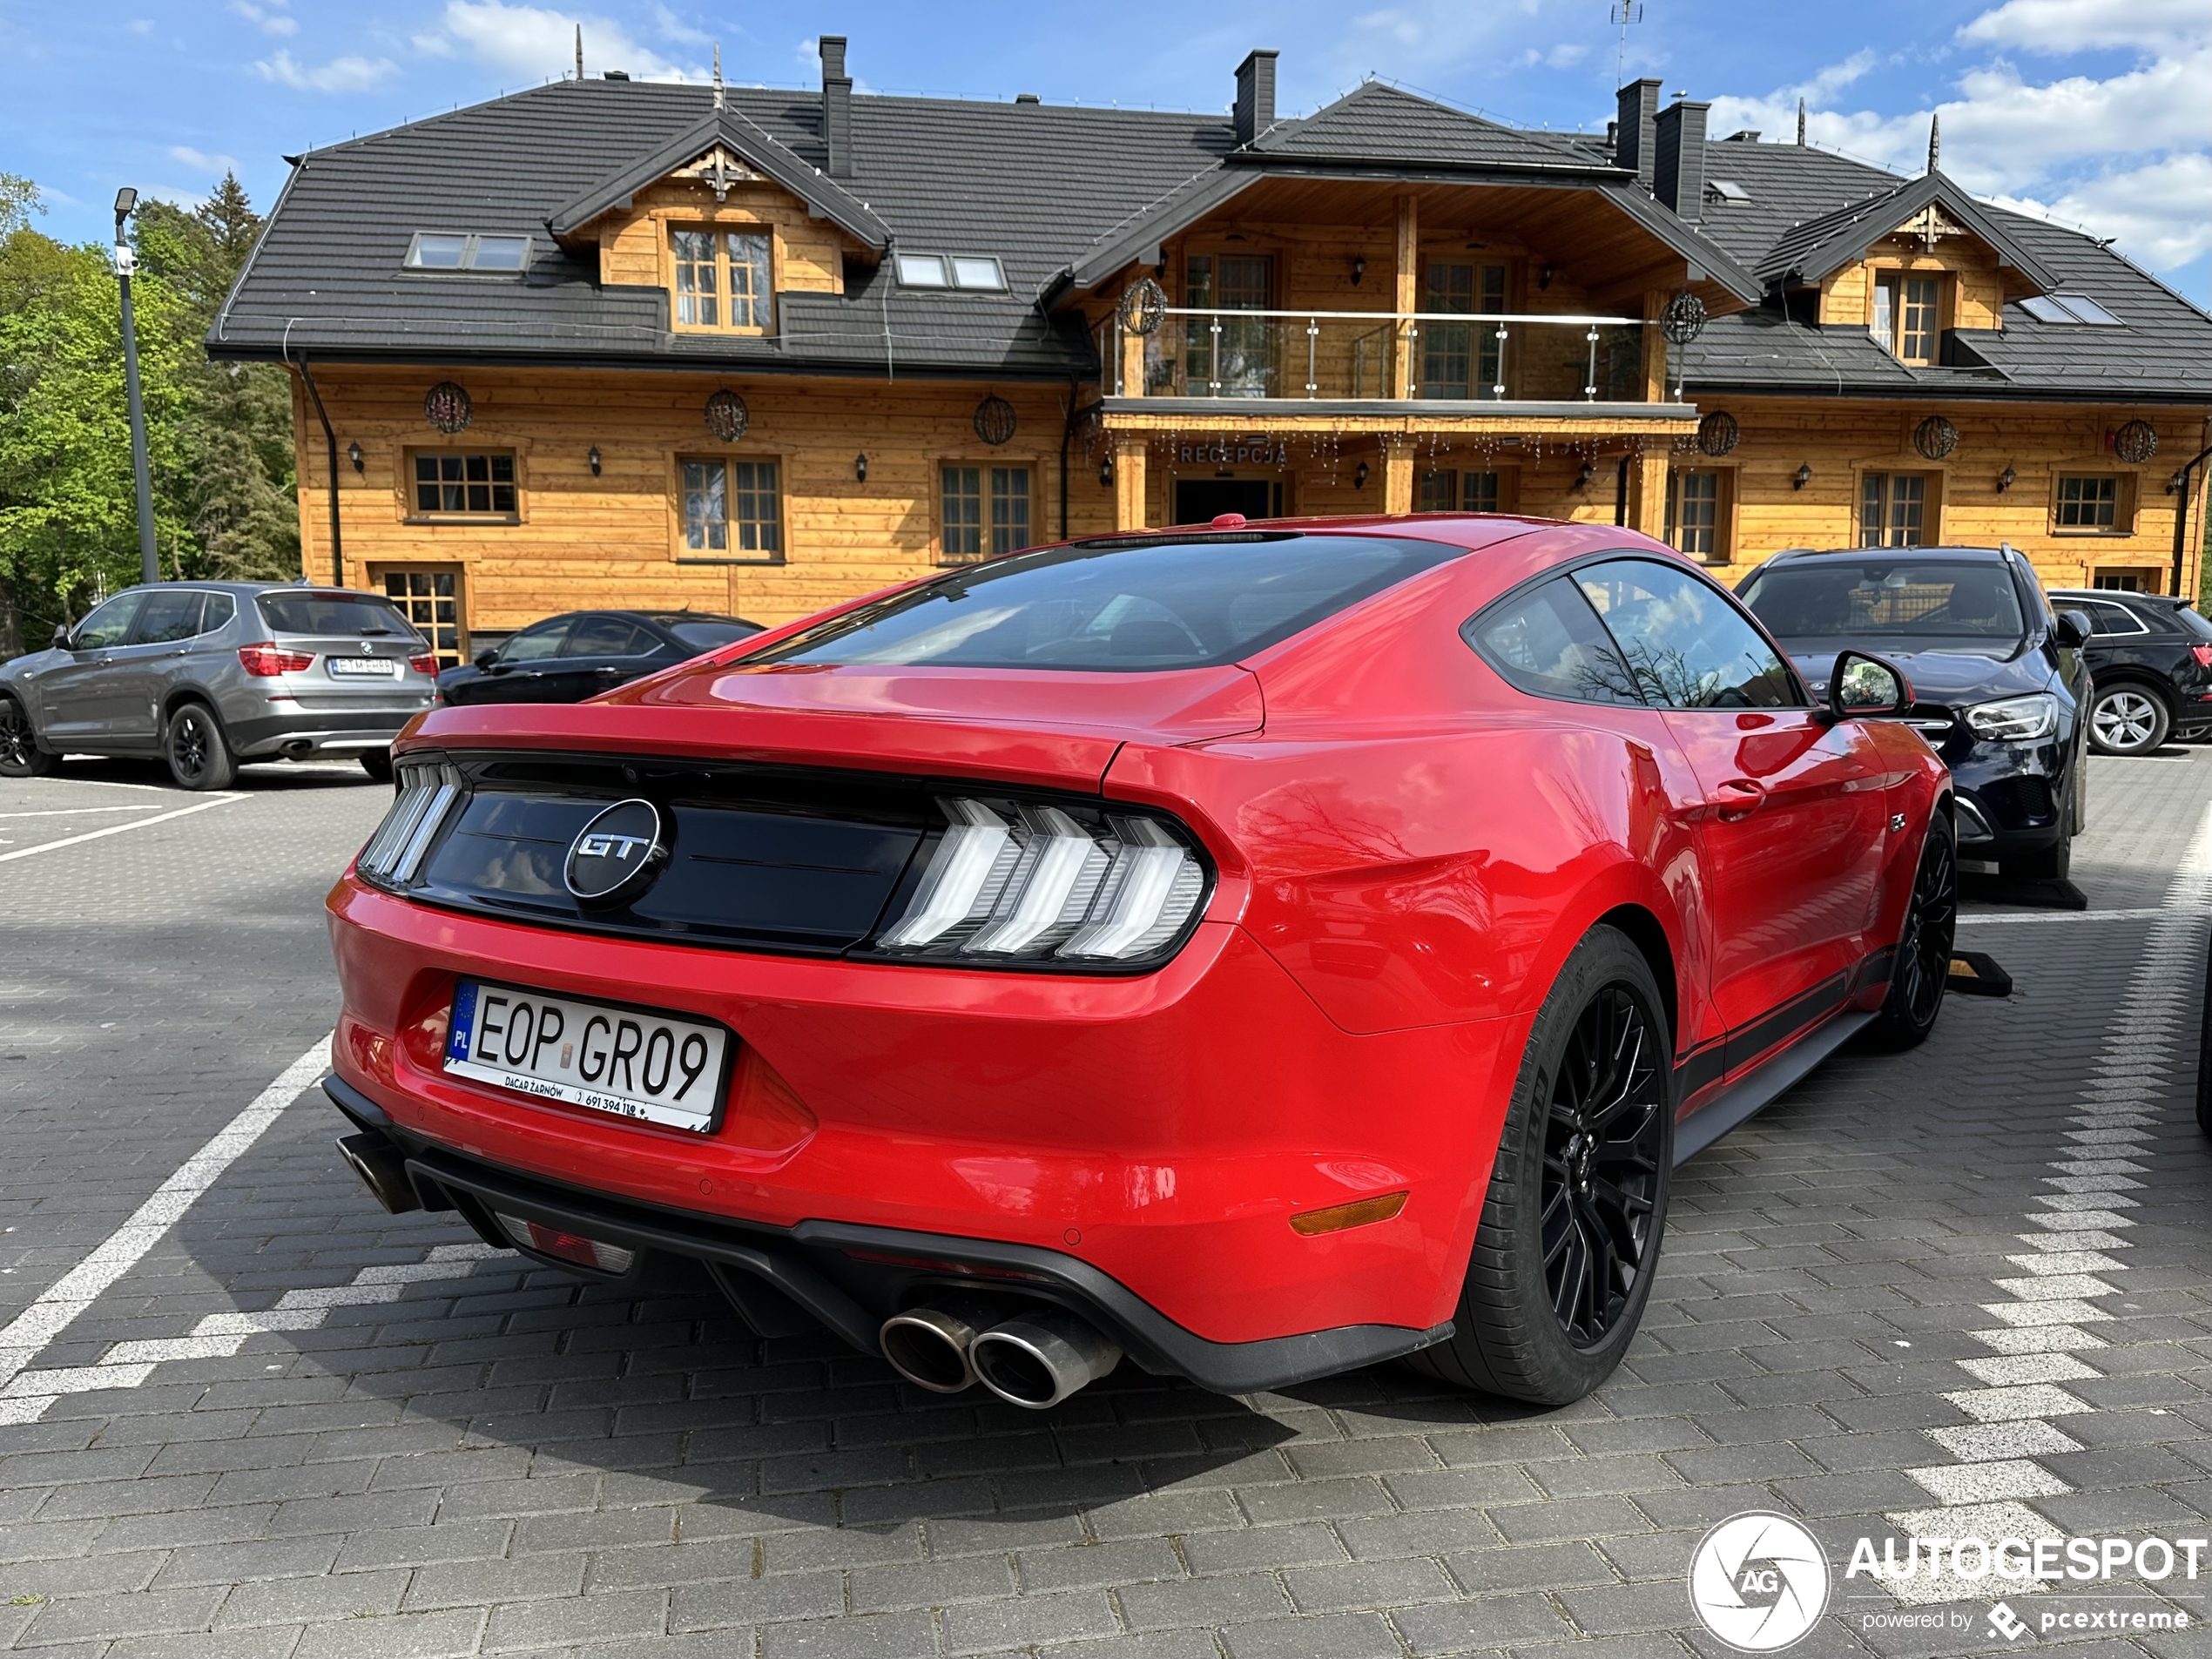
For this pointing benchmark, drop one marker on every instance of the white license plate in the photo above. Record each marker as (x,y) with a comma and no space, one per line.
(363,668)
(632,1062)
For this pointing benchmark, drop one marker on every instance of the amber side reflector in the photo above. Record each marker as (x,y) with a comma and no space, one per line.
(1338,1217)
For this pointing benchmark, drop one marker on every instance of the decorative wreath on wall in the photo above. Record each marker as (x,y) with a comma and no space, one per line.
(1935,437)
(1684,318)
(2135,443)
(448,407)
(1144,307)
(995,420)
(1717,433)
(727,416)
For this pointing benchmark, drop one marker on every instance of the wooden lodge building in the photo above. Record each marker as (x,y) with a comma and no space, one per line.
(608,342)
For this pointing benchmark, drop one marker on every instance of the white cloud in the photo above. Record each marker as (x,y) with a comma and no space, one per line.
(348,74)
(2157,212)
(1564,56)
(534,42)
(2080,25)
(671,27)
(269,19)
(200,161)
(140,25)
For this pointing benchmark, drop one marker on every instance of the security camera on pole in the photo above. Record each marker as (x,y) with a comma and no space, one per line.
(125,261)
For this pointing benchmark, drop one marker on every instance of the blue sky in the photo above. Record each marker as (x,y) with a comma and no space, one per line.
(2096,113)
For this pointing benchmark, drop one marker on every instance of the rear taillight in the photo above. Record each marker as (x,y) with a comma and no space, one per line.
(423,664)
(266,662)
(2203,654)
(567,1246)
(1025,883)
(427,792)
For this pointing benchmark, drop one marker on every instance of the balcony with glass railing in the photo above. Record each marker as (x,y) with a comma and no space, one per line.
(1377,356)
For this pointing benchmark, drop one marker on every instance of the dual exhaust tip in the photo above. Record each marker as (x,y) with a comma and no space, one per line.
(1033,1360)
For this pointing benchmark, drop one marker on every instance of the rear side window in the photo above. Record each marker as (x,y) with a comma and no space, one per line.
(608,636)
(2108,618)
(2190,622)
(705,636)
(1687,646)
(331,613)
(1119,606)
(1549,642)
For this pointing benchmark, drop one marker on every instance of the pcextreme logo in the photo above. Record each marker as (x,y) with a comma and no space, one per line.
(1758,1582)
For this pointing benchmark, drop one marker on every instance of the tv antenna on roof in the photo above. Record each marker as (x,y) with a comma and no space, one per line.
(1624,13)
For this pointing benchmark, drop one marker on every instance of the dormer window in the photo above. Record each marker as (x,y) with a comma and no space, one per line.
(978,271)
(1908,315)
(724,281)
(459,250)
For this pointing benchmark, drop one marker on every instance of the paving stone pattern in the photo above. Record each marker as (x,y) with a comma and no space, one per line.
(300,1427)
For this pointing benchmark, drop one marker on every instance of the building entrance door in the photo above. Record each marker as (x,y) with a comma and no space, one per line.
(1198,501)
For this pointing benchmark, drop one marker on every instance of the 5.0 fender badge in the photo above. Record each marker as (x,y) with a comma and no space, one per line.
(617,855)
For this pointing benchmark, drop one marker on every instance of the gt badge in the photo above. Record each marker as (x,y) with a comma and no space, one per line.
(617,855)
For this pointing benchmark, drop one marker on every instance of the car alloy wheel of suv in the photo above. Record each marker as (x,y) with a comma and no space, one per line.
(2127,720)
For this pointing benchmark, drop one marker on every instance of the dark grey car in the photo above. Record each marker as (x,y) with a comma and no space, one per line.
(209,674)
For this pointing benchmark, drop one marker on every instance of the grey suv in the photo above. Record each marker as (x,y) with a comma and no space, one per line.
(208,674)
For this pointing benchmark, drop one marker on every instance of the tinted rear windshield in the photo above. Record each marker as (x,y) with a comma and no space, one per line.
(331,613)
(1899,598)
(1119,607)
(705,636)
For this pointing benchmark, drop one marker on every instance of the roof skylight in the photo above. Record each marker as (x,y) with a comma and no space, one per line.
(2069,307)
(950,271)
(452,251)
(1729,191)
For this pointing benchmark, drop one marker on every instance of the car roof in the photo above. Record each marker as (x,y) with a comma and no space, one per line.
(1860,555)
(254,590)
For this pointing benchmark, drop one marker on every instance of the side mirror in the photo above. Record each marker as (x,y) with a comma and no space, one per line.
(1861,685)
(2074,629)
(61,638)
(486,658)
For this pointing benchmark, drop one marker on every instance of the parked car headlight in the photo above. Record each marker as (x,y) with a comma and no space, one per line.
(1027,881)
(2015,719)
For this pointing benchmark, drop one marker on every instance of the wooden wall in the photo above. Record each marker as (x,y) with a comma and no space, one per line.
(614,539)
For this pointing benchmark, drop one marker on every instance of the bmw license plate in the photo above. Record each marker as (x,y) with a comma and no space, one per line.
(363,668)
(632,1062)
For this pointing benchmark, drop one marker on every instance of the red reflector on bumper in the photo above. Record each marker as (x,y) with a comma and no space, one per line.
(1336,1219)
(568,1247)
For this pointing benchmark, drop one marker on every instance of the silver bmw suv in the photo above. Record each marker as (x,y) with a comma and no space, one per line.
(209,674)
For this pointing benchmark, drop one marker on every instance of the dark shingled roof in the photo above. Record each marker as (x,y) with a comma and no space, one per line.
(1066,196)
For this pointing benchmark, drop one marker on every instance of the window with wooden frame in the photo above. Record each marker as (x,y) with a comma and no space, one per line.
(1460,359)
(724,280)
(1897,510)
(1228,357)
(2141,578)
(1443,490)
(457,483)
(984,512)
(1697,513)
(430,597)
(1908,315)
(2093,504)
(732,508)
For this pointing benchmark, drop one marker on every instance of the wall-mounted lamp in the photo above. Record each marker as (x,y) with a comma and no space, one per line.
(353,454)
(1583,478)
(2178,483)
(1359,477)
(2006,480)
(1359,268)
(592,455)
(1544,279)
(860,468)
(1803,476)
(1106,473)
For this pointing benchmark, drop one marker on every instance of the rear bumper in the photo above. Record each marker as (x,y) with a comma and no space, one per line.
(850,1277)
(322,730)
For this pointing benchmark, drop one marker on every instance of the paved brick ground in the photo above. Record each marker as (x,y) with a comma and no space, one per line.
(350,1434)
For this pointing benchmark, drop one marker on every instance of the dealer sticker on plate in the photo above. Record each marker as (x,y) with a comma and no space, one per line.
(633,1062)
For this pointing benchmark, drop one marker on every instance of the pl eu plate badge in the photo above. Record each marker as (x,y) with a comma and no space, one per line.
(465,1020)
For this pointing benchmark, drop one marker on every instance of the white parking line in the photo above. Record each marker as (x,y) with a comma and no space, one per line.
(118,829)
(83,811)
(2138,915)
(24,1337)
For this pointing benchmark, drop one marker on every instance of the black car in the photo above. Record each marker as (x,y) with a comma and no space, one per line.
(2001,689)
(565,659)
(2151,662)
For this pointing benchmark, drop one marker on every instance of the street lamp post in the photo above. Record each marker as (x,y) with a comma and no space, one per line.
(125,261)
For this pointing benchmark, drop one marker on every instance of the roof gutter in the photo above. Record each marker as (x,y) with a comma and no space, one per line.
(330,444)
(2181,488)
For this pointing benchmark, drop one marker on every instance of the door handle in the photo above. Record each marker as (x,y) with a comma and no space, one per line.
(1737,798)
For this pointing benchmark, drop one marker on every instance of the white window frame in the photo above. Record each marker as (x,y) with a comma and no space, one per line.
(468,266)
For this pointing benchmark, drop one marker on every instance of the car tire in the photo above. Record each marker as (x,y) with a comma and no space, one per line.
(1921,969)
(377,762)
(20,755)
(198,754)
(1546,1331)
(2127,719)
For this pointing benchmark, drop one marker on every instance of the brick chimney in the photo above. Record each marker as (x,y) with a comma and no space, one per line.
(1633,137)
(1678,169)
(837,108)
(1255,95)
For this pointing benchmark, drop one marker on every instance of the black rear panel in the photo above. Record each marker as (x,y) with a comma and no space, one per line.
(761,857)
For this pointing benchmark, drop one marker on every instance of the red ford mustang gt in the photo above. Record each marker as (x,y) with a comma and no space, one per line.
(1258,951)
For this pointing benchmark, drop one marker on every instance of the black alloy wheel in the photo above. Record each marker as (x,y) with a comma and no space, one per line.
(20,755)
(1603,1140)
(193,746)
(1920,972)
